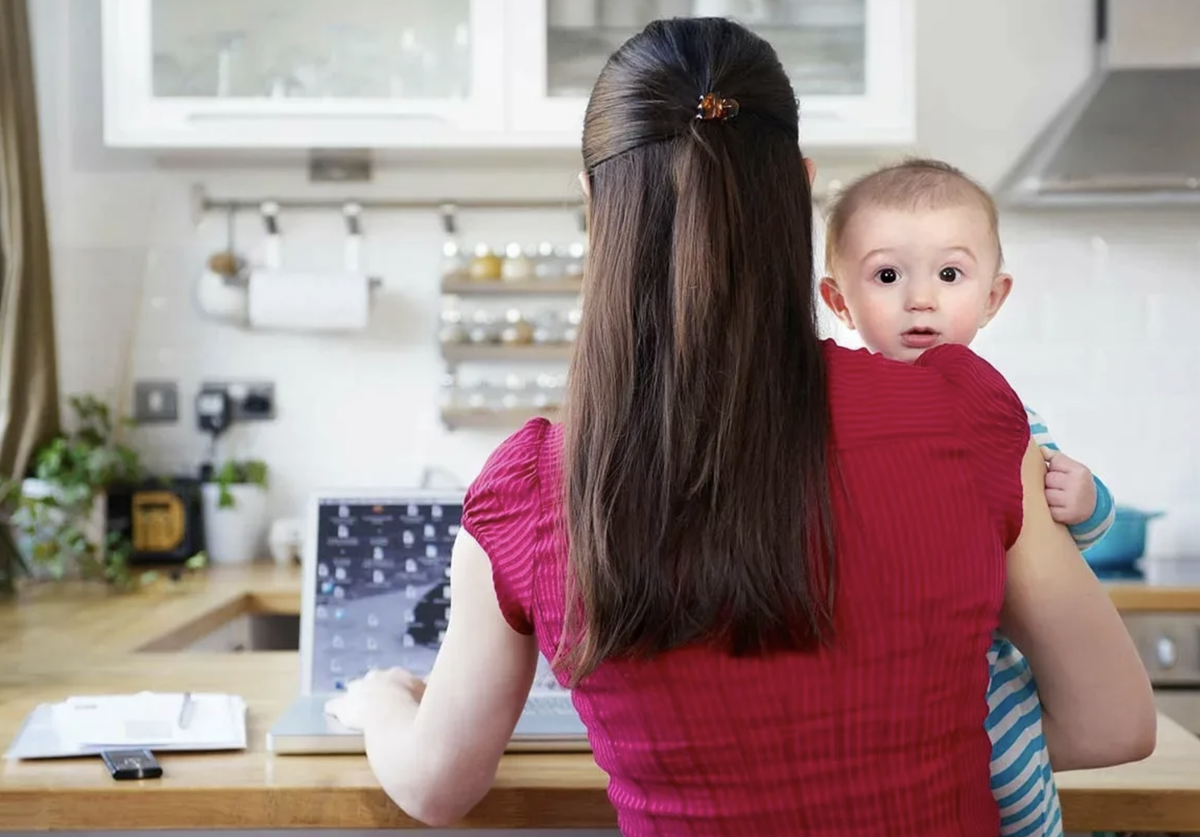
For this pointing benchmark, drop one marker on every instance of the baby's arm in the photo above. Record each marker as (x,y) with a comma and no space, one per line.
(1076,496)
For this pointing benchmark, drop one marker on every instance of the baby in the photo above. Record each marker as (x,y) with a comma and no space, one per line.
(914,260)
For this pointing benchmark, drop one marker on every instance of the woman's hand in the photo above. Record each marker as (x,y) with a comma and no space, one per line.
(381,692)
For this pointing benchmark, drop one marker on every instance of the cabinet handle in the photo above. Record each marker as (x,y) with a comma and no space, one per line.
(1166,652)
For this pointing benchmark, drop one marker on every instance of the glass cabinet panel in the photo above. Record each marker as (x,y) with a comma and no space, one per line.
(312,49)
(821,43)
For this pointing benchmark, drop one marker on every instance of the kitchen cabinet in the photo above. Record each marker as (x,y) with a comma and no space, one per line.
(301,73)
(481,74)
(850,61)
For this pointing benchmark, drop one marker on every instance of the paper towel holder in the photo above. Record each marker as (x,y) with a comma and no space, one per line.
(269,211)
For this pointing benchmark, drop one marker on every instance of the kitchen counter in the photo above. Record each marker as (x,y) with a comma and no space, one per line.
(1140,597)
(58,641)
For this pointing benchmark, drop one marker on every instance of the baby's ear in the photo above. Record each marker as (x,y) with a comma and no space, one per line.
(835,301)
(1001,287)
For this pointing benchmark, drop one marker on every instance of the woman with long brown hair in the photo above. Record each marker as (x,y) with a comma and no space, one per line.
(769,567)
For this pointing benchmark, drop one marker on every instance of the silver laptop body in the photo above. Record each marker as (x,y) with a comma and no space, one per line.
(376,594)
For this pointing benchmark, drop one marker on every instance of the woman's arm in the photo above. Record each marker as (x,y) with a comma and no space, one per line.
(1097,705)
(438,759)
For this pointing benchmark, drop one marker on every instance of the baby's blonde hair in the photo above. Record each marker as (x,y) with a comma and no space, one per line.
(909,185)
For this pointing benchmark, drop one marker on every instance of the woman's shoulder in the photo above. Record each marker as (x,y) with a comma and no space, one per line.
(950,377)
(502,511)
(515,465)
(950,398)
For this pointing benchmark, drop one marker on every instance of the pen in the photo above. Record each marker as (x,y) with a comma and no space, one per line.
(185,711)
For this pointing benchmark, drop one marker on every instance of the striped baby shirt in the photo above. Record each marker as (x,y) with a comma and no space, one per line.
(1090,531)
(1022,780)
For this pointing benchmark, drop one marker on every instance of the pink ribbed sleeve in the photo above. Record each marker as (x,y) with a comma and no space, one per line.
(501,512)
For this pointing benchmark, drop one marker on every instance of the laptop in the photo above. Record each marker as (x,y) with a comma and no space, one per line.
(376,594)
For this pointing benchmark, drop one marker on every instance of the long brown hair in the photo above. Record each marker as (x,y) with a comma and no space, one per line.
(697,424)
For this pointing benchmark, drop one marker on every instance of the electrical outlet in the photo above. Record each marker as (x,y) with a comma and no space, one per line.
(155,402)
(248,400)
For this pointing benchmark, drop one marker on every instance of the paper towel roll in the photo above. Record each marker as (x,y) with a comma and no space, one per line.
(282,300)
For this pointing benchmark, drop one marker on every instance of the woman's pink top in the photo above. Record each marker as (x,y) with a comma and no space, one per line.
(880,734)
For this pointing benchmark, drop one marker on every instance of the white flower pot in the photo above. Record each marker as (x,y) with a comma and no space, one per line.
(234,535)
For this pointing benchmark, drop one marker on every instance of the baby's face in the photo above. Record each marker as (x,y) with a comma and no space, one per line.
(909,280)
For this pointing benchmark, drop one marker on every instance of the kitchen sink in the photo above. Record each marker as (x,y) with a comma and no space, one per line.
(251,632)
(239,627)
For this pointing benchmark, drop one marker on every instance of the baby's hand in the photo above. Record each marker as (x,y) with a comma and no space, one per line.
(1070,491)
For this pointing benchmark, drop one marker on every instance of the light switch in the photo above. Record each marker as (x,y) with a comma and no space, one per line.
(155,402)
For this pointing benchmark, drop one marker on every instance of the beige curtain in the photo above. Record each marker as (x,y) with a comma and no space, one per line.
(28,363)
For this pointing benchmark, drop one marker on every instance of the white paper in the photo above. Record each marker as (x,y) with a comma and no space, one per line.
(149,719)
(285,301)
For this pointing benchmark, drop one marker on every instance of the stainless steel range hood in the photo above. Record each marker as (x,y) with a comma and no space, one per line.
(1131,135)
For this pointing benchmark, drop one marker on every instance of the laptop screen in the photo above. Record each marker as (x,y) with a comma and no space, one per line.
(382,586)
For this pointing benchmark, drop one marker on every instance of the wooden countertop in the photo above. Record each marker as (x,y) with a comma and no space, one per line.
(1132,597)
(57,642)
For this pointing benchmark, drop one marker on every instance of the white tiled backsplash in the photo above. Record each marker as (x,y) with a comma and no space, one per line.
(1100,336)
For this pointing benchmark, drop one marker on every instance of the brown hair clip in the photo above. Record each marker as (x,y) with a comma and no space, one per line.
(712,106)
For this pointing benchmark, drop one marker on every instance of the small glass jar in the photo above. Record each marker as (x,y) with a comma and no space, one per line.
(517,267)
(516,331)
(454,264)
(485,266)
(483,327)
(548,327)
(453,330)
(515,392)
(573,268)
(548,265)
(449,395)
(476,396)
(574,316)
(549,391)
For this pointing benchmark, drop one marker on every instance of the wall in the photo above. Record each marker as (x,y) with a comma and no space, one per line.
(1097,335)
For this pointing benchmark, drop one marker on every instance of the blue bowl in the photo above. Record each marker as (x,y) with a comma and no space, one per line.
(1125,541)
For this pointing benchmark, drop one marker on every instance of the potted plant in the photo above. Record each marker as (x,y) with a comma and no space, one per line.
(235,510)
(57,520)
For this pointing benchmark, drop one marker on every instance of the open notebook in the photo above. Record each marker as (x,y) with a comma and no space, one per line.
(83,725)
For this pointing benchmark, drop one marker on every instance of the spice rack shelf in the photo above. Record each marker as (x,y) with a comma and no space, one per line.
(485,418)
(469,287)
(467,352)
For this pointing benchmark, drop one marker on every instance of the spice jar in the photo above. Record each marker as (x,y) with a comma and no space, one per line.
(485,266)
(453,263)
(517,267)
(483,327)
(574,263)
(574,316)
(453,329)
(517,330)
(548,327)
(549,266)
(514,392)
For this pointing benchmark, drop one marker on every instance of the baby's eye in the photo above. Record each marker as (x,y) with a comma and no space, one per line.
(949,274)
(887,275)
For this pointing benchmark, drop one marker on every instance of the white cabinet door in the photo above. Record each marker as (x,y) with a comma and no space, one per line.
(303,73)
(851,61)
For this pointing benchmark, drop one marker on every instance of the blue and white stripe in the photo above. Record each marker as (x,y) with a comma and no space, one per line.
(1022,781)
(1088,532)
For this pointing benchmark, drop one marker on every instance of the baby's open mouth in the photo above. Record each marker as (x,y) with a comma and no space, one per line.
(919,337)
